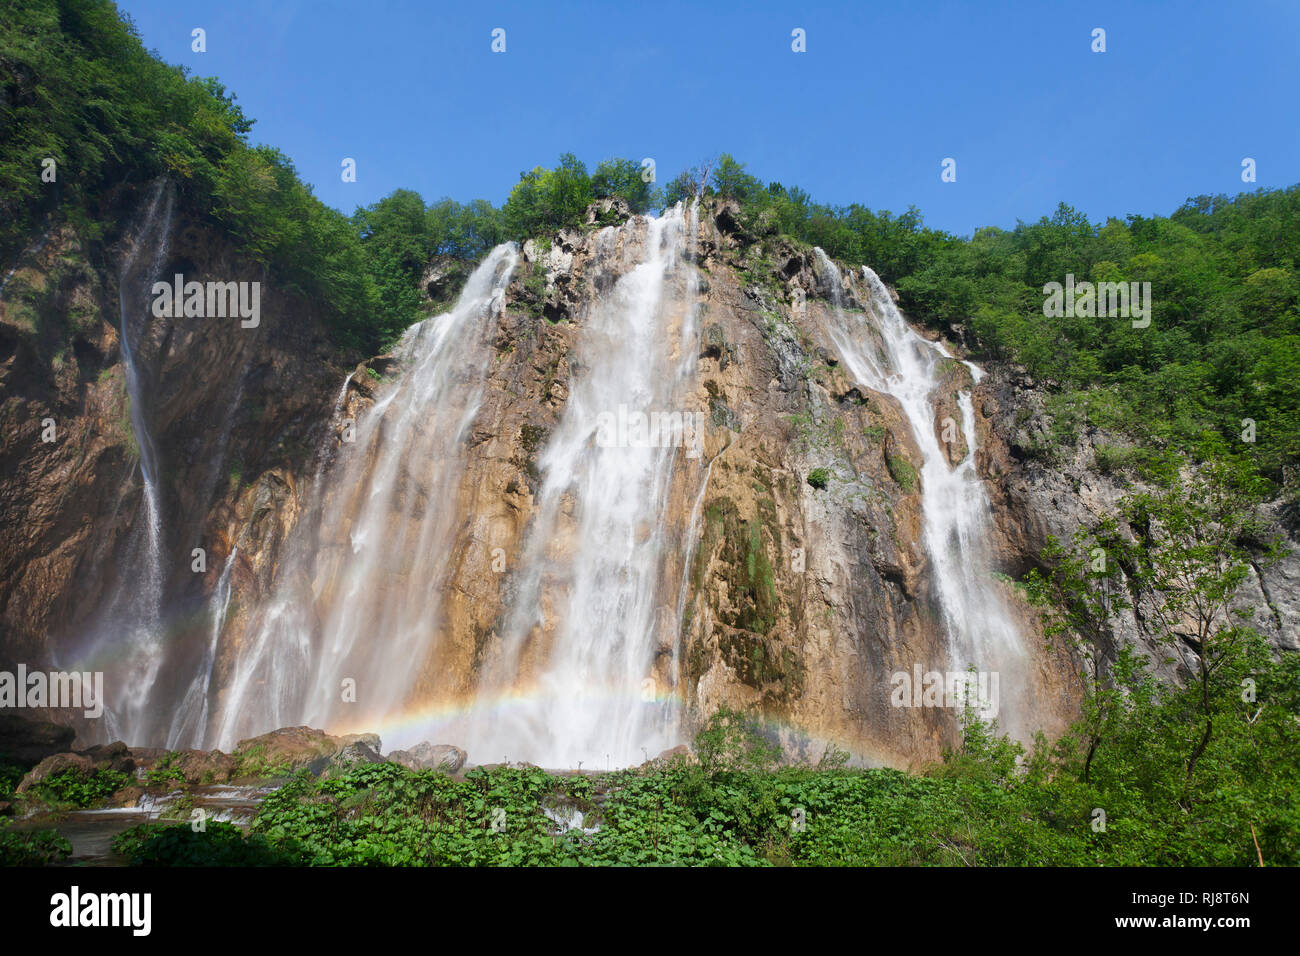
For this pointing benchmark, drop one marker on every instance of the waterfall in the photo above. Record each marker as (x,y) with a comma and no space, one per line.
(359,601)
(127,639)
(893,358)
(595,600)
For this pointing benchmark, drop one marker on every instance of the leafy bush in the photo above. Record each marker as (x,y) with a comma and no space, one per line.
(219,844)
(818,477)
(31,847)
(77,788)
(254,763)
(1115,459)
(165,772)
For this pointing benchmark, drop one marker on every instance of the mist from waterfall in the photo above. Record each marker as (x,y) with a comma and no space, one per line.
(889,356)
(360,597)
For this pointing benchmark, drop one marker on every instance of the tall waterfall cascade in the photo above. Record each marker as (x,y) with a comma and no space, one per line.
(360,598)
(890,356)
(598,570)
(127,640)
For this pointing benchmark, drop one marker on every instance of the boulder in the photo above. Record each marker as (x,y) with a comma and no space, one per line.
(296,748)
(355,754)
(370,740)
(289,747)
(51,766)
(205,766)
(128,797)
(115,756)
(607,211)
(427,756)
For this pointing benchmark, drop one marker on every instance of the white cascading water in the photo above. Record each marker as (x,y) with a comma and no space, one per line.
(361,597)
(957,514)
(126,642)
(596,584)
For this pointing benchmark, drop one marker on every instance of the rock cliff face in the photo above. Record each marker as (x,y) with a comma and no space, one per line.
(794,578)
(1043,488)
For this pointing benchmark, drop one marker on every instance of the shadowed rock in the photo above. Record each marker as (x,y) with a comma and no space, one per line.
(28,740)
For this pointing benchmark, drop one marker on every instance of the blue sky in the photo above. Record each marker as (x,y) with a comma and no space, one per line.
(1012,91)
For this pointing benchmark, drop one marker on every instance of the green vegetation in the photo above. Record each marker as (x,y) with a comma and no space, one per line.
(901,470)
(82,90)
(219,844)
(759,580)
(76,788)
(545,200)
(1223,345)
(624,178)
(164,772)
(1190,557)
(253,762)
(11,774)
(31,847)
(400,234)
(818,478)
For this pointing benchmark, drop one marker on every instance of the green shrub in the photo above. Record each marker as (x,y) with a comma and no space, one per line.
(77,788)
(31,847)
(164,772)
(218,844)
(254,763)
(818,477)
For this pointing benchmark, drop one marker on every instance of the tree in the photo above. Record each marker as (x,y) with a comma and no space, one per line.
(1192,552)
(689,183)
(1080,596)
(545,200)
(622,177)
(730,181)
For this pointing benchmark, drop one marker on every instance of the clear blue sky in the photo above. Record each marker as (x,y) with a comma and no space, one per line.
(883,94)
